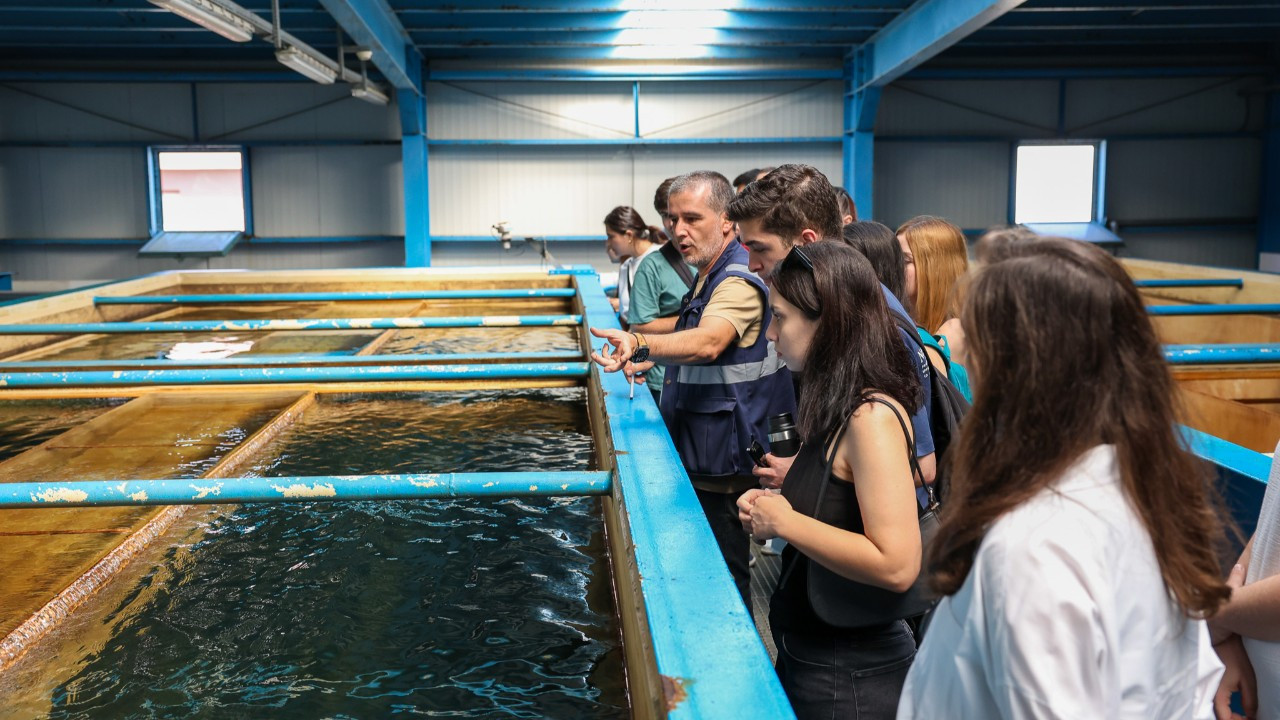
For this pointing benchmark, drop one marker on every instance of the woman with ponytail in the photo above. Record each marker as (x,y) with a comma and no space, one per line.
(627,236)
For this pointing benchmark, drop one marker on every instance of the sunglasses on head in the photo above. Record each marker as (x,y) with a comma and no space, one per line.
(797,257)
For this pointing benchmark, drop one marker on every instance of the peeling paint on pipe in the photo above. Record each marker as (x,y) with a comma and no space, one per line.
(1238,353)
(261,325)
(195,491)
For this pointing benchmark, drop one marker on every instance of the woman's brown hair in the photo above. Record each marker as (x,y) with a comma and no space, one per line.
(623,218)
(1063,359)
(856,349)
(941,258)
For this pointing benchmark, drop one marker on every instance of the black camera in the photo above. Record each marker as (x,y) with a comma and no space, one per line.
(784,441)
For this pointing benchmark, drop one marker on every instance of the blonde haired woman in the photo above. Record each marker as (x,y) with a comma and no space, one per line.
(936,258)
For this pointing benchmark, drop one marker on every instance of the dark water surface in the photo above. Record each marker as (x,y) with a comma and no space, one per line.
(494,608)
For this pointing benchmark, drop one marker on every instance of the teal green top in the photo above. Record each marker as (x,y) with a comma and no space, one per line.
(656,292)
(956,372)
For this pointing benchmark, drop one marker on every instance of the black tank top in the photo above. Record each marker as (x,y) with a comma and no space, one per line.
(789,608)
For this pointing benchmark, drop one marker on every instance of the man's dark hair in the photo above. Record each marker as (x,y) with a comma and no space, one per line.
(720,191)
(880,246)
(847,206)
(788,200)
(660,197)
(746,178)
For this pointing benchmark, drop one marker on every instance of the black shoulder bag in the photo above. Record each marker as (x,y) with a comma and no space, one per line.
(845,603)
(671,254)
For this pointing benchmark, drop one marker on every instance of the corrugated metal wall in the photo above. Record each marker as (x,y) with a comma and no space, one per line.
(325,165)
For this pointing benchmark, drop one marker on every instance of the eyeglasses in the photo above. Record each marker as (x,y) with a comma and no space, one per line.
(797,256)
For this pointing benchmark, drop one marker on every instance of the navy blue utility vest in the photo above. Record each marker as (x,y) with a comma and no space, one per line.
(713,410)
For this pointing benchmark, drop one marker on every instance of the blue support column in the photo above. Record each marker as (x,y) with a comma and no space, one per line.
(417,196)
(1269,204)
(861,102)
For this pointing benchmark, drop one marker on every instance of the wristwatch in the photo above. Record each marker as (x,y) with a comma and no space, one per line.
(642,349)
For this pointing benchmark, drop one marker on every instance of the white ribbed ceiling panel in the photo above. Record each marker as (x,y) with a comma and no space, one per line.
(530,110)
(740,109)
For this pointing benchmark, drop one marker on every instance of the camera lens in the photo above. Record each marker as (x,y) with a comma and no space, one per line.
(784,441)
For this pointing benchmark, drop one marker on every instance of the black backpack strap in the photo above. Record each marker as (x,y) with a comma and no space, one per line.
(672,255)
(911,451)
(909,328)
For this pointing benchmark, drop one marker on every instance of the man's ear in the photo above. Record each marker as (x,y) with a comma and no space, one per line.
(727,226)
(807,236)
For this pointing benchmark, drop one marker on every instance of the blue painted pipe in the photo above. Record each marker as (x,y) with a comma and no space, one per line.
(1245,309)
(1236,353)
(219,376)
(245,298)
(1190,283)
(213,491)
(262,325)
(276,360)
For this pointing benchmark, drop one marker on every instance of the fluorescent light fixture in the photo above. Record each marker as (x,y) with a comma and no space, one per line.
(369,93)
(306,64)
(211,16)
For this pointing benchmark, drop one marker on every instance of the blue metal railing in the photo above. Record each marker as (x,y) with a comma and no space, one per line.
(210,491)
(1243,309)
(219,376)
(1235,353)
(264,325)
(1190,283)
(233,299)
(277,360)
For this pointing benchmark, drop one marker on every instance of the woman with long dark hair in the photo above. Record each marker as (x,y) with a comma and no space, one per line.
(848,509)
(1078,549)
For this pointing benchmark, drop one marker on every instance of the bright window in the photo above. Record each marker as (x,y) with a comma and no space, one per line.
(201,190)
(1055,183)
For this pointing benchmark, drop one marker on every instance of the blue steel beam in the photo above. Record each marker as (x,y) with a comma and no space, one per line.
(1242,309)
(1232,354)
(213,52)
(625,141)
(374,25)
(673,74)
(280,360)
(322,488)
(1190,283)
(270,375)
(234,299)
(429,39)
(927,28)
(265,325)
(414,154)
(861,103)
